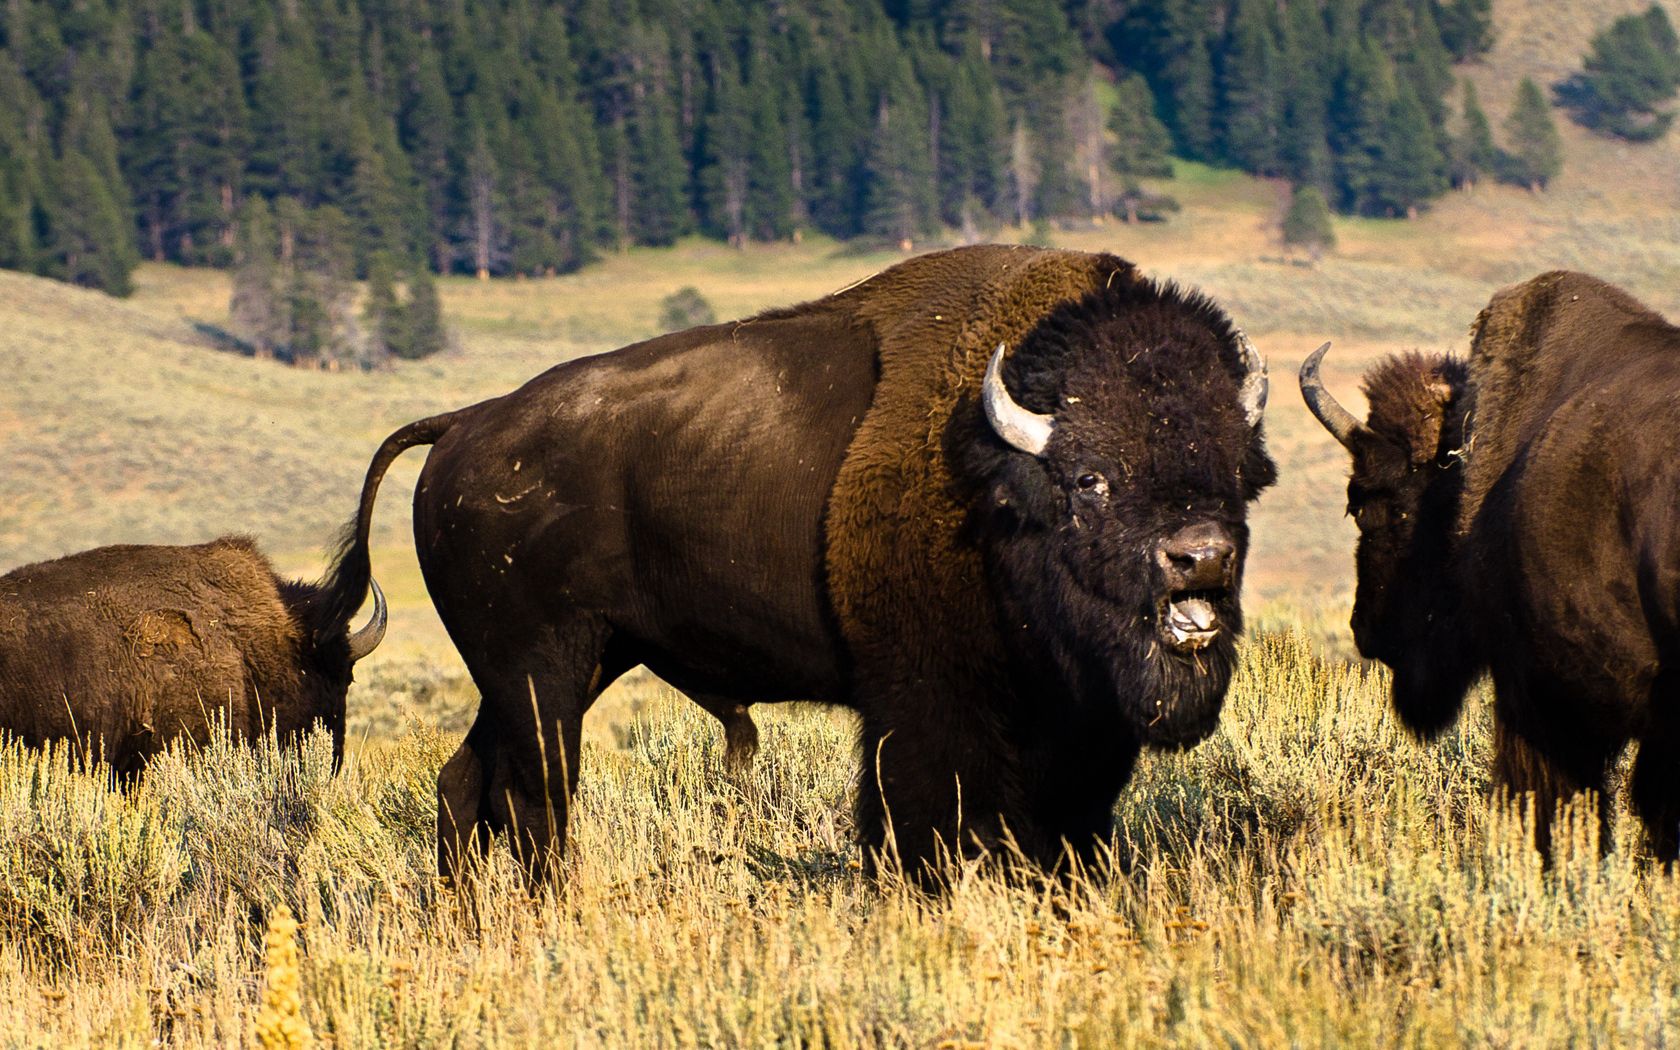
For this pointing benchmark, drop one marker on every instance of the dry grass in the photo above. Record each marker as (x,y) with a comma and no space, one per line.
(1307,877)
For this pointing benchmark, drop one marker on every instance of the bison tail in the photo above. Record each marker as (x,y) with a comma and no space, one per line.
(344,587)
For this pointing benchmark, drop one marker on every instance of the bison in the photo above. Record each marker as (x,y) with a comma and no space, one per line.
(126,648)
(1517,515)
(992,499)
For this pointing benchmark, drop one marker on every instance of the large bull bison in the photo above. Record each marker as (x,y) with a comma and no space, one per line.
(1017,565)
(1518,515)
(126,648)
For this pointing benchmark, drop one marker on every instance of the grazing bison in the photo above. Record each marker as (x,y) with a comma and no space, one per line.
(126,648)
(1017,565)
(1518,515)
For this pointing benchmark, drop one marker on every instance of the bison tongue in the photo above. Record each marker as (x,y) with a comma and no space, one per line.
(1192,615)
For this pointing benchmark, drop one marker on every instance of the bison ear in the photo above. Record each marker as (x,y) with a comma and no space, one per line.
(1424,442)
(1023,491)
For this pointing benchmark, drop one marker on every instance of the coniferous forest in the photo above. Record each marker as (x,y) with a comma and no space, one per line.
(523,136)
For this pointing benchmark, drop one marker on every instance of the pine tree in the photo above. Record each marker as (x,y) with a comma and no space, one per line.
(423,317)
(899,199)
(725,133)
(1413,168)
(259,312)
(661,211)
(382,320)
(1251,109)
(1140,146)
(1363,95)
(1473,153)
(1308,222)
(1306,58)
(1192,100)
(1536,149)
(1631,72)
(1466,27)
(90,238)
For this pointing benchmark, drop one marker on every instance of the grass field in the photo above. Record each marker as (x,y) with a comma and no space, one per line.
(1308,876)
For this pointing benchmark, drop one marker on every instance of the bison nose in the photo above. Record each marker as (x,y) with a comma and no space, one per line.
(1197,558)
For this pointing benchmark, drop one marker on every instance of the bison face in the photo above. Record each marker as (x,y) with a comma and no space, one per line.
(1404,496)
(1115,545)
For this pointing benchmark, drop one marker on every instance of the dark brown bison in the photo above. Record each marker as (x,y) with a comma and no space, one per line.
(1017,565)
(1517,514)
(126,648)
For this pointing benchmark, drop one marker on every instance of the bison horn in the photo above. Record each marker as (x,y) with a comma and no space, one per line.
(1336,419)
(1027,431)
(368,638)
(1255,384)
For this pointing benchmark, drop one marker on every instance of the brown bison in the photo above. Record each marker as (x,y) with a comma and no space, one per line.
(992,499)
(126,648)
(1517,515)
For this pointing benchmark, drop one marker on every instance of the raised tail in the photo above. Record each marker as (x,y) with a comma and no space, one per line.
(345,585)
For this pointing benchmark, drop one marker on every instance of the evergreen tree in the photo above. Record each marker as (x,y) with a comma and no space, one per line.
(725,145)
(1251,109)
(900,202)
(1413,169)
(1536,149)
(1362,101)
(1307,223)
(89,237)
(1473,153)
(1140,144)
(1631,72)
(382,320)
(1192,99)
(259,312)
(423,323)
(1466,27)
(1306,54)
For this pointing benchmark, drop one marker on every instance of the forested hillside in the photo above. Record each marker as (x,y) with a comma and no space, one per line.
(521,136)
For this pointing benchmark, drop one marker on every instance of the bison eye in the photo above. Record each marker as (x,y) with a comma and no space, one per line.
(1088,480)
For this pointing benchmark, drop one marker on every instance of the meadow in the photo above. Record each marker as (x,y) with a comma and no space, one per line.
(1310,875)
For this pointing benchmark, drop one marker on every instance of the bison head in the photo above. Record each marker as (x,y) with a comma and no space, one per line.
(1404,495)
(1109,498)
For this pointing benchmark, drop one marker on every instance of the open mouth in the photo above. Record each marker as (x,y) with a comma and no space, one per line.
(1189,620)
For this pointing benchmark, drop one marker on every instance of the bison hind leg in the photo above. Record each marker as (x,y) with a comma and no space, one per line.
(463,826)
(740,732)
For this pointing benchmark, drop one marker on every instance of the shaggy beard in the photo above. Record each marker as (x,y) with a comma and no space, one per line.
(1110,654)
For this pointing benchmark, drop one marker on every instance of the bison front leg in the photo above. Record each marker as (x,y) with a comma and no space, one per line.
(930,791)
(1656,771)
(1553,774)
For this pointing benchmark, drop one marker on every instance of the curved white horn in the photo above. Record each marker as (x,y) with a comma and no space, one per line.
(1027,431)
(368,638)
(1255,384)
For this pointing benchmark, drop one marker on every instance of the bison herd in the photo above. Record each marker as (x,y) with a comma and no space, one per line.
(994,500)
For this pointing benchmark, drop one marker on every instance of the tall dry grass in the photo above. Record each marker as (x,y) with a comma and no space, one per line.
(1309,876)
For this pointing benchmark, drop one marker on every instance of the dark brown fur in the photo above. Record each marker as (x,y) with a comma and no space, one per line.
(1525,524)
(126,648)
(810,504)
